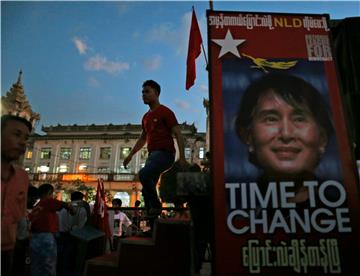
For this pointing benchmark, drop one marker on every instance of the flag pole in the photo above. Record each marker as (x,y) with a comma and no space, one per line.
(202,45)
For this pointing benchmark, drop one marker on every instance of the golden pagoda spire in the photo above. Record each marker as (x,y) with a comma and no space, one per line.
(15,103)
(19,78)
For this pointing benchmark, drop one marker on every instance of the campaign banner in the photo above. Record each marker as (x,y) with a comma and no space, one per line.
(285,185)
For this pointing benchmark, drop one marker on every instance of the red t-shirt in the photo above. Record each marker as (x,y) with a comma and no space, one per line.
(13,206)
(157,125)
(44,217)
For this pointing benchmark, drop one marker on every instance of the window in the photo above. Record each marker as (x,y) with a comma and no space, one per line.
(65,153)
(105,153)
(122,169)
(201,152)
(124,153)
(43,169)
(83,168)
(85,153)
(104,170)
(144,153)
(45,153)
(29,154)
(63,168)
(187,153)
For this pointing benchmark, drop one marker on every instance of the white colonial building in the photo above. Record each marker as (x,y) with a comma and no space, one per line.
(86,153)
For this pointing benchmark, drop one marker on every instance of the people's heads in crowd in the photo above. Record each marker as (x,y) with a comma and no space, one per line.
(76,196)
(45,190)
(137,203)
(116,202)
(285,122)
(15,133)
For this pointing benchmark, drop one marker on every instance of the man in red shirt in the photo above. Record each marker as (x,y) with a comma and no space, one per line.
(159,125)
(15,132)
(44,225)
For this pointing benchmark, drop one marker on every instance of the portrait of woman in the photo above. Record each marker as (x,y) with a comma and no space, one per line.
(278,125)
(285,124)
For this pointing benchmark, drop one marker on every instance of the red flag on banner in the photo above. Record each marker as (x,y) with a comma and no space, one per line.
(194,51)
(100,214)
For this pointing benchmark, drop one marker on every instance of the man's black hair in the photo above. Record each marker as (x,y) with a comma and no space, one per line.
(45,189)
(76,196)
(152,84)
(117,202)
(5,119)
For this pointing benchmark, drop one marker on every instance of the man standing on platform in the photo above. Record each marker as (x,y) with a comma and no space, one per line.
(159,125)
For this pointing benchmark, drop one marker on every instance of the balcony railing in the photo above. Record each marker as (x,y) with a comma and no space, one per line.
(86,177)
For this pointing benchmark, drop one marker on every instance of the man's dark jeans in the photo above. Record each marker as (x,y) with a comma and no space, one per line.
(158,161)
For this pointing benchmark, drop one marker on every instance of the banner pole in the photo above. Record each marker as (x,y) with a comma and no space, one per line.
(202,46)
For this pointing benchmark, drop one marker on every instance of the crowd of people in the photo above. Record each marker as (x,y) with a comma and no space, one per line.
(44,242)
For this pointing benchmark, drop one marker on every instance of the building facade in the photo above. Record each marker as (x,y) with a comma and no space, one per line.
(86,153)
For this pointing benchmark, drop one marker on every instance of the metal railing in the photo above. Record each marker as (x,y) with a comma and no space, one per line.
(81,176)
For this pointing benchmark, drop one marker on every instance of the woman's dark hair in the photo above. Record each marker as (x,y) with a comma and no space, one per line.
(152,84)
(293,90)
(5,119)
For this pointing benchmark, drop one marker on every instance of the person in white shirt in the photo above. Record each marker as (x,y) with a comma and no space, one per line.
(118,222)
(68,222)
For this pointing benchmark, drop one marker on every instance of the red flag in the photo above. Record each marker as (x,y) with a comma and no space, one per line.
(194,51)
(100,214)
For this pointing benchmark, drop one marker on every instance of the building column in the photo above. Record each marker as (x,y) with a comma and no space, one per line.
(75,157)
(56,158)
(95,158)
(134,195)
(116,158)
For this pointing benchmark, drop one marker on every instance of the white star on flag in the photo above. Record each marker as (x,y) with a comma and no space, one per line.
(229,44)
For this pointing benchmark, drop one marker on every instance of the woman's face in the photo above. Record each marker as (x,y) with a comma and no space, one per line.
(286,140)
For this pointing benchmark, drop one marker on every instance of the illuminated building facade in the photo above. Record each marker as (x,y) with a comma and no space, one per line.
(68,153)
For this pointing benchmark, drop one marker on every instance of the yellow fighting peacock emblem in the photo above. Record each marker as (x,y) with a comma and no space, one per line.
(262,63)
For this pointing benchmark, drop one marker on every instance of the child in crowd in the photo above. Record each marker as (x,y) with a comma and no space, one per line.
(118,222)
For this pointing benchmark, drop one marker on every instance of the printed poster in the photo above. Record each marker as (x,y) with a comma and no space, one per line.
(286,192)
